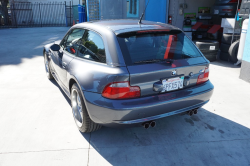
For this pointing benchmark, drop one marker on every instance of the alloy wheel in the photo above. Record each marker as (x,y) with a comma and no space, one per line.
(77,108)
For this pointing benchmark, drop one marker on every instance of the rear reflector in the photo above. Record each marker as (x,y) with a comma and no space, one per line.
(121,90)
(203,77)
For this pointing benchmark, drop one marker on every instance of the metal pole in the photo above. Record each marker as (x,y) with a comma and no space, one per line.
(31,20)
(40,16)
(235,21)
(14,13)
(66,14)
(70,12)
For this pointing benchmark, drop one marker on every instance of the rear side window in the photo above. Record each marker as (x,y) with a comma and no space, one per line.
(138,47)
(91,47)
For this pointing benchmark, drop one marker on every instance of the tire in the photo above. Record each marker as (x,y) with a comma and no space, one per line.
(80,113)
(210,55)
(206,45)
(227,38)
(224,56)
(47,67)
(233,51)
(224,47)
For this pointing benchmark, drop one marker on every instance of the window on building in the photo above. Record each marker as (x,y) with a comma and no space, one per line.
(132,8)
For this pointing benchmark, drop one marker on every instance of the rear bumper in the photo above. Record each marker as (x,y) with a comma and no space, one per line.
(133,111)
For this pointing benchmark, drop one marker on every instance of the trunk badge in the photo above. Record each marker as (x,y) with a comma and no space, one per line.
(174,73)
(202,71)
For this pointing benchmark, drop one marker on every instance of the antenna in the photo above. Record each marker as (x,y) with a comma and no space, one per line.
(143,13)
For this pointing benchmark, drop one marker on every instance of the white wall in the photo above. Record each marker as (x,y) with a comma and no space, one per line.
(192,7)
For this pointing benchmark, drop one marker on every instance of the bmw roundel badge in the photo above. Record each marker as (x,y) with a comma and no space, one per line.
(174,73)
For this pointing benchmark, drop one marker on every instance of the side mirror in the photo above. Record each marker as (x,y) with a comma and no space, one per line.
(55,47)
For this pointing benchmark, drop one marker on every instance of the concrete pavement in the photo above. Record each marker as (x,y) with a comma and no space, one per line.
(37,127)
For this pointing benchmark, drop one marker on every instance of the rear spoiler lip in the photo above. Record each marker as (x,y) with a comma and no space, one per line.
(151,31)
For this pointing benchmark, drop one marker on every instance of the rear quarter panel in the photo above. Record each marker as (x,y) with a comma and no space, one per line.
(94,76)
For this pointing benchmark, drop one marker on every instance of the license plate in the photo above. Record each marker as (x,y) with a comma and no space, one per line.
(172,84)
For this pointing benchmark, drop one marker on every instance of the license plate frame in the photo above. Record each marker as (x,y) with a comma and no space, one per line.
(173,83)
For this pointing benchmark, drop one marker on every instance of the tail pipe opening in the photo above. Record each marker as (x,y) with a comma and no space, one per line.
(153,124)
(193,111)
(146,125)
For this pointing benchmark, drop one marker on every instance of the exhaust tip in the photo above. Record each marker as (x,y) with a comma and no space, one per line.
(146,125)
(191,113)
(195,111)
(153,124)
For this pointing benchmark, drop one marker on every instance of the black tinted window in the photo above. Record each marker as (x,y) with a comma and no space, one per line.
(69,43)
(91,47)
(138,47)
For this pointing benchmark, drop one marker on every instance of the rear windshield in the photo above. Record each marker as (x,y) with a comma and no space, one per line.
(143,47)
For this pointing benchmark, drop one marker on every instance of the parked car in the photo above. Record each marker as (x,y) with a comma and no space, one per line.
(120,73)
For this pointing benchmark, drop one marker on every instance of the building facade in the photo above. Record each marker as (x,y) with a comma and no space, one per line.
(127,9)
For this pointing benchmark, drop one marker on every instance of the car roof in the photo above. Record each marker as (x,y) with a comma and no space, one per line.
(129,25)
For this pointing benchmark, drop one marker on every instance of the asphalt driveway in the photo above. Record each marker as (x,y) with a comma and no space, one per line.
(37,127)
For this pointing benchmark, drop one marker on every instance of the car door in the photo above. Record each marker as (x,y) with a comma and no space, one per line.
(68,51)
(54,65)
(90,62)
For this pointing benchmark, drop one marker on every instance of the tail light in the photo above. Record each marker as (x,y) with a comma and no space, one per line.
(203,77)
(121,90)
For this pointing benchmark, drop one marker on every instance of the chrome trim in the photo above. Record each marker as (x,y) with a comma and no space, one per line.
(163,115)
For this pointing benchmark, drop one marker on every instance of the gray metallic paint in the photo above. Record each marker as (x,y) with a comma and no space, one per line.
(92,77)
(113,112)
(148,74)
(98,77)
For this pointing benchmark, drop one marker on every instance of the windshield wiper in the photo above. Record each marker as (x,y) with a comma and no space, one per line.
(155,60)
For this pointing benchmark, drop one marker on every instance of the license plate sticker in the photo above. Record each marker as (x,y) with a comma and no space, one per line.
(172,84)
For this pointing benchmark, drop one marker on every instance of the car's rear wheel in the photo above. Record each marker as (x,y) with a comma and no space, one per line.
(47,68)
(80,114)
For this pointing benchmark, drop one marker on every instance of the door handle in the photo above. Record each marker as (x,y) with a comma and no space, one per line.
(64,65)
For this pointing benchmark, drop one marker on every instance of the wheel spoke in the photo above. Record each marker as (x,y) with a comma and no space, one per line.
(79,101)
(77,108)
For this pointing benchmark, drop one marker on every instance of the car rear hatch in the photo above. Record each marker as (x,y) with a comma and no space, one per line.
(161,61)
